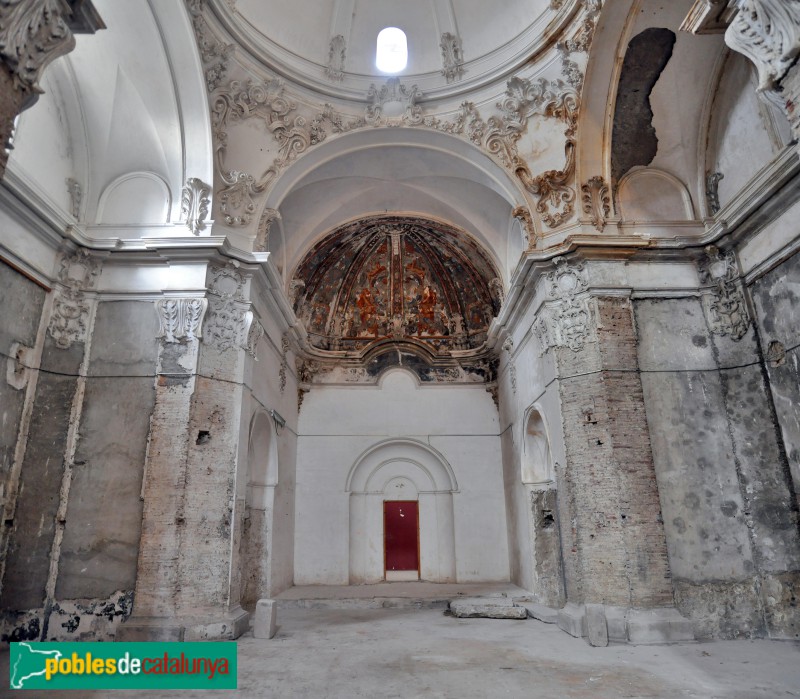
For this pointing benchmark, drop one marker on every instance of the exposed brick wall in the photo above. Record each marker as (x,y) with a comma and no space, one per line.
(614,544)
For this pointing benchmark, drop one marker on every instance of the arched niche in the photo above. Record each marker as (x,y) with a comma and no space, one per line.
(135,198)
(262,466)
(262,477)
(647,194)
(401,469)
(536,462)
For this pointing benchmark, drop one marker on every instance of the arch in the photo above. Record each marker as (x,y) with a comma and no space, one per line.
(135,198)
(650,194)
(401,469)
(537,462)
(420,172)
(262,459)
(428,459)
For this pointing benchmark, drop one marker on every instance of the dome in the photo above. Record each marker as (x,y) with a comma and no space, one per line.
(397,279)
(460,43)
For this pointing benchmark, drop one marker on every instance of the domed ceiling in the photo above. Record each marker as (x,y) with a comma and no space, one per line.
(331,44)
(393,279)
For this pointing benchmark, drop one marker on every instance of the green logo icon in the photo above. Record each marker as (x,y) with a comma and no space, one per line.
(123,665)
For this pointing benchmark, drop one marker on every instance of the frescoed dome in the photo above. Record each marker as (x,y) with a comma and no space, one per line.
(397,279)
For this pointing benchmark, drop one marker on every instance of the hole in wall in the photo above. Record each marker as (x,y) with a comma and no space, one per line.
(203,436)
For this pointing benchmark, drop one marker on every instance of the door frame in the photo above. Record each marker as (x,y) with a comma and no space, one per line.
(419,556)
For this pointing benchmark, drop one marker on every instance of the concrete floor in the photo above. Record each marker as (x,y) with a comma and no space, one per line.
(423,653)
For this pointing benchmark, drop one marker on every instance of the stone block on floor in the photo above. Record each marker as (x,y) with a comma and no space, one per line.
(596,626)
(487,607)
(265,622)
(548,615)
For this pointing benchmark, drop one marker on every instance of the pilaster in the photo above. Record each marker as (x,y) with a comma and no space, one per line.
(187,586)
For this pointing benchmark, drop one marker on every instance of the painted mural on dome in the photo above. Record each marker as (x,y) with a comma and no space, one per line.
(396,278)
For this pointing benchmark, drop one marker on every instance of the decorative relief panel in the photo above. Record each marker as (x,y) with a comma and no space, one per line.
(567,318)
(452,57)
(214,53)
(726,309)
(229,317)
(70,316)
(336,57)
(254,335)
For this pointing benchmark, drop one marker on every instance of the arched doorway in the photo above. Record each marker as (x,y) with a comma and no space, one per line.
(409,471)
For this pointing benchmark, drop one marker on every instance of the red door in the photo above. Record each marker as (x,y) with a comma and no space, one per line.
(401,534)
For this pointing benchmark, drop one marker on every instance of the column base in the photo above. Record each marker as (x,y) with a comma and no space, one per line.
(624,625)
(227,628)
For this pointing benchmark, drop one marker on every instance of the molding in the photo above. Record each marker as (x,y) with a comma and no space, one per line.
(708,17)
(526,47)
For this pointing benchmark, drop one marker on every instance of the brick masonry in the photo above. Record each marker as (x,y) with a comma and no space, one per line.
(614,544)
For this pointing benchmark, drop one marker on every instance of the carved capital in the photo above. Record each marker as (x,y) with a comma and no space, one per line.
(768,33)
(180,319)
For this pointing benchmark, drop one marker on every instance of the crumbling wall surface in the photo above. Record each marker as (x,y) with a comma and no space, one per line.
(614,547)
(73,496)
(776,299)
(546,545)
(103,524)
(728,505)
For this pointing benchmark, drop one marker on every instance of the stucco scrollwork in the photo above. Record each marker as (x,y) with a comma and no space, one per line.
(393,91)
(214,53)
(70,316)
(725,307)
(568,317)
(229,317)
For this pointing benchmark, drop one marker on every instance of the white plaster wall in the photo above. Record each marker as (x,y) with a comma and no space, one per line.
(339,423)
(745,133)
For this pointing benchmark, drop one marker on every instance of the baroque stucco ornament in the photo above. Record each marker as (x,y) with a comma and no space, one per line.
(596,202)
(768,33)
(180,319)
(725,307)
(71,309)
(229,317)
(297,126)
(195,201)
(215,54)
(452,57)
(567,319)
(336,57)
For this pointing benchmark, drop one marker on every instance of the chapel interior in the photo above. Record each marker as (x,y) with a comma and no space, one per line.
(521,306)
